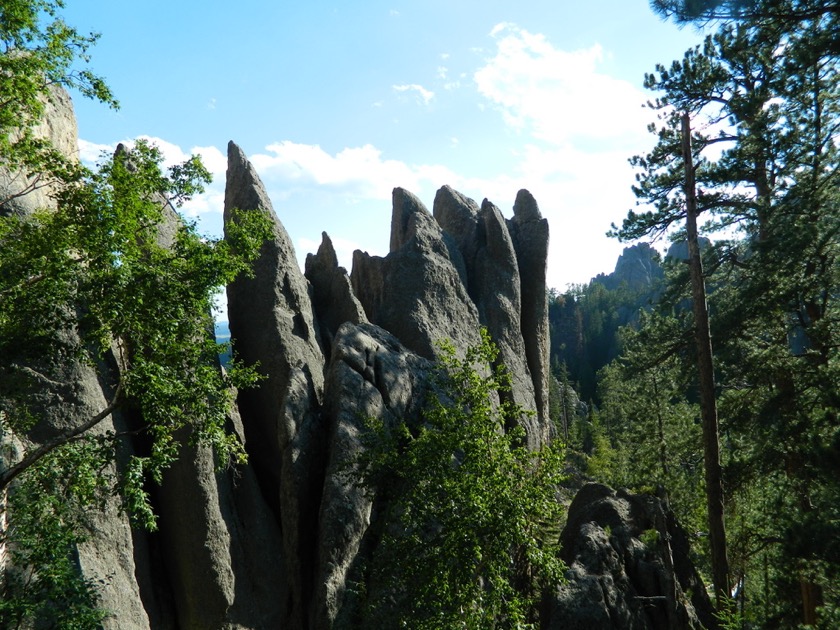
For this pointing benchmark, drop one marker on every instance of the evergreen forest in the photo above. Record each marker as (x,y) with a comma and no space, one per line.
(757,166)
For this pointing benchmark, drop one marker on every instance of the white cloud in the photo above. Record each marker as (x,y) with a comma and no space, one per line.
(211,202)
(90,152)
(558,96)
(442,71)
(423,93)
(359,172)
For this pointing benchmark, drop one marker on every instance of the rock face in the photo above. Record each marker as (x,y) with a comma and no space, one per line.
(494,283)
(21,194)
(332,293)
(371,375)
(638,269)
(272,323)
(628,567)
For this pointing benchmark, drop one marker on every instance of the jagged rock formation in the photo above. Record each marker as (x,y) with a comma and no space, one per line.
(679,249)
(278,542)
(637,269)
(416,292)
(628,567)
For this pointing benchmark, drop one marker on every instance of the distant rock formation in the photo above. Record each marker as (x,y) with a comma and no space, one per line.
(638,269)
(679,249)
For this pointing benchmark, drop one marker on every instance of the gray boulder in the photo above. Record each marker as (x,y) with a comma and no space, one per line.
(629,567)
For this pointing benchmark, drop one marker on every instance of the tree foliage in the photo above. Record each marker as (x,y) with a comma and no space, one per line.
(763,95)
(110,280)
(470,510)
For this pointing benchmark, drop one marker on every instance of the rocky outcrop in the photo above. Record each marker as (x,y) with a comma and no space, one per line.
(494,284)
(22,193)
(416,292)
(282,541)
(371,375)
(628,567)
(529,232)
(272,323)
(221,545)
(679,249)
(332,293)
(64,392)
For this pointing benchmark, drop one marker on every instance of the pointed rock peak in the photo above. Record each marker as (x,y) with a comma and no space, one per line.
(450,202)
(326,252)
(407,216)
(457,215)
(235,154)
(488,206)
(244,189)
(525,208)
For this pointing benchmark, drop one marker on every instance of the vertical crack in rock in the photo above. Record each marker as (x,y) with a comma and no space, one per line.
(332,293)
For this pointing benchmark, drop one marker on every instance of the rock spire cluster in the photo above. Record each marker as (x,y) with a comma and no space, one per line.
(278,542)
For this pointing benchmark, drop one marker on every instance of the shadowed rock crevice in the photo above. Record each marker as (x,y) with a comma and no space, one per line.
(272,323)
(529,233)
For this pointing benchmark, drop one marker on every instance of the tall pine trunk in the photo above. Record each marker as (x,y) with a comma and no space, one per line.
(705,366)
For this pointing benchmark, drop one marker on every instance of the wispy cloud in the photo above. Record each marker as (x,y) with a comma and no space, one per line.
(362,172)
(558,96)
(211,202)
(423,93)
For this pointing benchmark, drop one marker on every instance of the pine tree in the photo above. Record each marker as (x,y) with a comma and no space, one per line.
(768,96)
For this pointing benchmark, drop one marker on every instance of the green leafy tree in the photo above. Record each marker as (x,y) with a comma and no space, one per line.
(89,282)
(112,280)
(39,52)
(471,537)
(656,432)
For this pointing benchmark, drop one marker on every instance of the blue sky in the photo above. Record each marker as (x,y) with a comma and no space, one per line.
(338,102)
